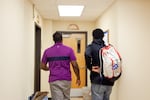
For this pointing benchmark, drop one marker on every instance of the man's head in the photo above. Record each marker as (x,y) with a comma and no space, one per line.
(57,37)
(98,34)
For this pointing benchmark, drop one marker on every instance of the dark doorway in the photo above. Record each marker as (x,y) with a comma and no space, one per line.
(37,58)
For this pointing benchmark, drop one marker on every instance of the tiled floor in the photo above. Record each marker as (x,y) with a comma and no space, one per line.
(80,98)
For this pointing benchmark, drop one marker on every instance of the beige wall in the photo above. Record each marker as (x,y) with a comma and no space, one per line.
(46,42)
(17,49)
(83,26)
(12,75)
(128,22)
(108,21)
(28,48)
(133,27)
(51,26)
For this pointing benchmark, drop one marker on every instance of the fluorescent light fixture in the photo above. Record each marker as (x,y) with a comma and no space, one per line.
(70,10)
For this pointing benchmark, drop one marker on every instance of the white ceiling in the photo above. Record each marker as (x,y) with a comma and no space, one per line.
(92,9)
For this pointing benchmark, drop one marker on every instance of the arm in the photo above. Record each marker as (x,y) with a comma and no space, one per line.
(44,62)
(96,69)
(89,65)
(77,71)
(88,58)
(88,62)
(44,67)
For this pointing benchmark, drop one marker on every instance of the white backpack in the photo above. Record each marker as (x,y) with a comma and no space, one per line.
(111,62)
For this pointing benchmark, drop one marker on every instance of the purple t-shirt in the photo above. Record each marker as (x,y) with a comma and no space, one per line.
(58,57)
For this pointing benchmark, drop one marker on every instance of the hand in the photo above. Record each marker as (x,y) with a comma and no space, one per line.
(78,82)
(96,69)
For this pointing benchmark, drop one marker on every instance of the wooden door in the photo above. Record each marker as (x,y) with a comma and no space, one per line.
(77,41)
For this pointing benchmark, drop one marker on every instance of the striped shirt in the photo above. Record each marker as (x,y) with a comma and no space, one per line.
(59,57)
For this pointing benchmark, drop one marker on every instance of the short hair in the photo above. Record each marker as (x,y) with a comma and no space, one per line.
(57,37)
(98,33)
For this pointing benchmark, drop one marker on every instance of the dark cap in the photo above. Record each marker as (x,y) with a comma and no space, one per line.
(98,33)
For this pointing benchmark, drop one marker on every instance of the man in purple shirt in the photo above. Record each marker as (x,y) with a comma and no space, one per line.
(59,58)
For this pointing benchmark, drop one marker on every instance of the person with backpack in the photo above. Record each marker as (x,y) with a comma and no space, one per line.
(101,88)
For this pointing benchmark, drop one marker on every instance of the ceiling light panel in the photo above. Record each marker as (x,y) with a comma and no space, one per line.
(70,10)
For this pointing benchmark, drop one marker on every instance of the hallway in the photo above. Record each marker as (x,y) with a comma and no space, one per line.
(128,23)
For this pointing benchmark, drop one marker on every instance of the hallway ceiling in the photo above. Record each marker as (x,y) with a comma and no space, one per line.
(92,10)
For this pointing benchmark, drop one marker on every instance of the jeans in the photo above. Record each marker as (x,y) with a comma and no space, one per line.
(100,92)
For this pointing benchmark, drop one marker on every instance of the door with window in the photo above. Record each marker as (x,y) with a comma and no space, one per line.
(77,41)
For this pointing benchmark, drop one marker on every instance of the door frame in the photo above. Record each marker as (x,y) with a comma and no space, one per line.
(37,57)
